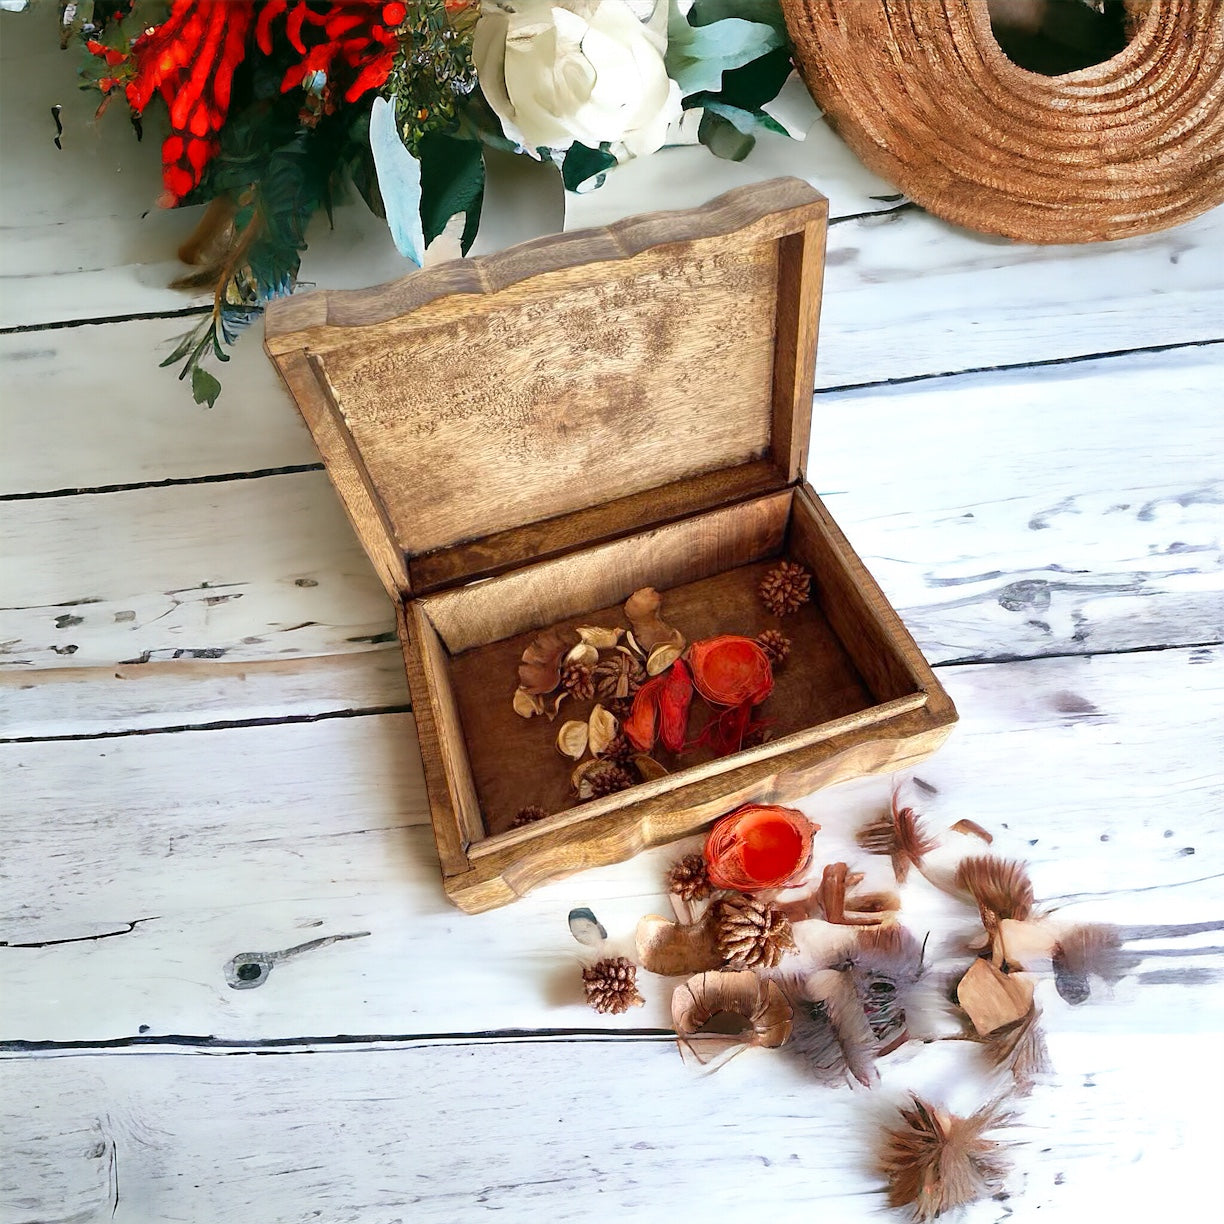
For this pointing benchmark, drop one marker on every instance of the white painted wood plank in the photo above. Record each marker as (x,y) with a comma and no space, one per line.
(574,1132)
(77,701)
(1005,514)
(158,858)
(908,294)
(87,407)
(243,570)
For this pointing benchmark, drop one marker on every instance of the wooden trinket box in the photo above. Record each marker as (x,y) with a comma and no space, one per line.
(524,439)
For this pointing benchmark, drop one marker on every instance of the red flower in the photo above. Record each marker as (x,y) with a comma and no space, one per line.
(731,670)
(757,847)
(661,710)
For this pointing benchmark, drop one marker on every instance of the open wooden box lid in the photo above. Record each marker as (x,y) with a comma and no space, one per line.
(492,411)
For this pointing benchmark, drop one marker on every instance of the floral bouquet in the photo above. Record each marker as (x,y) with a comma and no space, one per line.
(275,105)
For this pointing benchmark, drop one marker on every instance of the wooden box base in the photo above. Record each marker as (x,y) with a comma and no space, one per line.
(854,697)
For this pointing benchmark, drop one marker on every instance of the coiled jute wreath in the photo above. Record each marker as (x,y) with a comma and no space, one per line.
(921,91)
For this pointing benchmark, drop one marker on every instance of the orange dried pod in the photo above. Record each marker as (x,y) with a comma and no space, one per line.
(730,670)
(758,846)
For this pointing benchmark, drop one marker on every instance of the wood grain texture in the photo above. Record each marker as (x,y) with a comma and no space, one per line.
(926,97)
(263,837)
(597,365)
(367,1139)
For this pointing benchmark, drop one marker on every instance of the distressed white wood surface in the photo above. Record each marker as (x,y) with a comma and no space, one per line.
(570,1131)
(1006,514)
(173,853)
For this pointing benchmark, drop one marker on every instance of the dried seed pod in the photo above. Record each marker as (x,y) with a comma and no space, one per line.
(584,653)
(526,705)
(776,646)
(661,658)
(786,588)
(649,627)
(743,993)
(595,778)
(673,949)
(620,675)
(572,739)
(527,816)
(751,934)
(578,681)
(603,730)
(730,670)
(648,767)
(600,638)
(934,1161)
(611,986)
(540,669)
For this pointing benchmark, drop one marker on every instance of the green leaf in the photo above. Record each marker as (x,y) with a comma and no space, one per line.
(723,138)
(399,181)
(204,387)
(582,164)
(452,181)
(744,121)
(697,56)
(751,86)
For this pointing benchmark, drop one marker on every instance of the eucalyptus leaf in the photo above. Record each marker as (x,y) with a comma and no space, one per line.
(586,928)
(697,56)
(768,12)
(745,121)
(399,182)
(723,138)
(452,181)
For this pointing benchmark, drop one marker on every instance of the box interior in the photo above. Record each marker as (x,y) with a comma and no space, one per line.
(708,568)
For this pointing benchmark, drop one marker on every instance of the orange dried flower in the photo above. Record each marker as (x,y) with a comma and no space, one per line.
(731,670)
(758,846)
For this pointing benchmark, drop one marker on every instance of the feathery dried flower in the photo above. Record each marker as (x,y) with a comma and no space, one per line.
(899,834)
(1083,951)
(1001,887)
(935,1161)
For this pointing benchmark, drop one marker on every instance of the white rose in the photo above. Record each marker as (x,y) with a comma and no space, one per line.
(559,71)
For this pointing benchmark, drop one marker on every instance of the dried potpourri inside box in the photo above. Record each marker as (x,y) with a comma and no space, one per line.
(527,441)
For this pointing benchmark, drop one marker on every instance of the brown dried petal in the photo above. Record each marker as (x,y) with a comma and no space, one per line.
(993,999)
(672,950)
(540,669)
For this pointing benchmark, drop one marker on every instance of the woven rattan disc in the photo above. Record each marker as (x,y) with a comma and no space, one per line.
(923,94)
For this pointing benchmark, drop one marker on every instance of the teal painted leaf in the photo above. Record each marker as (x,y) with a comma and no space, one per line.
(767,12)
(399,182)
(697,56)
(723,138)
(204,387)
(745,121)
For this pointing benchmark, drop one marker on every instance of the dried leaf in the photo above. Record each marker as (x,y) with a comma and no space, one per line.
(661,658)
(586,928)
(526,705)
(631,644)
(649,768)
(992,999)
(759,1001)
(671,949)
(583,654)
(934,1161)
(649,627)
(603,729)
(555,708)
(540,669)
(572,739)
(972,829)
(600,638)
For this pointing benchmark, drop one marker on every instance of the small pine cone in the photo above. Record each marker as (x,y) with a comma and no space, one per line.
(611,985)
(687,878)
(619,750)
(756,735)
(752,934)
(578,681)
(622,707)
(609,779)
(786,588)
(619,676)
(775,645)
(528,815)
